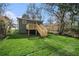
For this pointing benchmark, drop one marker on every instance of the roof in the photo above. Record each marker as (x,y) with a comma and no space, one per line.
(30,20)
(4,17)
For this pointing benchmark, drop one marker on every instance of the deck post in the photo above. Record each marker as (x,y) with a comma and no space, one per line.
(35,28)
(28,32)
(36,32)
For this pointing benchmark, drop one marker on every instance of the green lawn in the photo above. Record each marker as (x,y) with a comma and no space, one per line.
(53,45)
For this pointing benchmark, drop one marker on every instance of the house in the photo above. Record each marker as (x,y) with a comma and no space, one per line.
(32,27)
(4,26)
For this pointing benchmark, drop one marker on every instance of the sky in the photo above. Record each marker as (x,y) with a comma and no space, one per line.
(18,9)
(15,10)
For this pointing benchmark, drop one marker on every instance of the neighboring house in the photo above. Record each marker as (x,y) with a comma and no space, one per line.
(34,27)
(4,26)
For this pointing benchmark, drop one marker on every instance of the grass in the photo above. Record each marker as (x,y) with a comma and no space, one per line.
(53,45)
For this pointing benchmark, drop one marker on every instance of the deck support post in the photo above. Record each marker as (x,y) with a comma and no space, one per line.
(28,32)
(36,32)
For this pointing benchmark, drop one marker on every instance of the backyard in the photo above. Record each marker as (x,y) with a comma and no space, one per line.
(53,45)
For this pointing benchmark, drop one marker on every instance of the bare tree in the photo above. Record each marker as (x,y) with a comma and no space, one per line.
(33,11)
(3,7)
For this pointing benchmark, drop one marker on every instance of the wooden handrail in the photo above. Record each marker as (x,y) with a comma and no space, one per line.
(44,28)
(41,30)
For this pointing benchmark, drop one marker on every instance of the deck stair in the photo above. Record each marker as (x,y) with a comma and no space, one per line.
(41,29)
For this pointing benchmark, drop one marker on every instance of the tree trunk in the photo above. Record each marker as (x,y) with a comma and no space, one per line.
(61,28)
(62,25)
(71,22)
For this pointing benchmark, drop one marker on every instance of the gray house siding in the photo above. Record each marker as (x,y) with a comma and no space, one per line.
(22,27)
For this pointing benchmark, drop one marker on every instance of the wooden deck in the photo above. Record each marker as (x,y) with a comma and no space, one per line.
(38,27)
